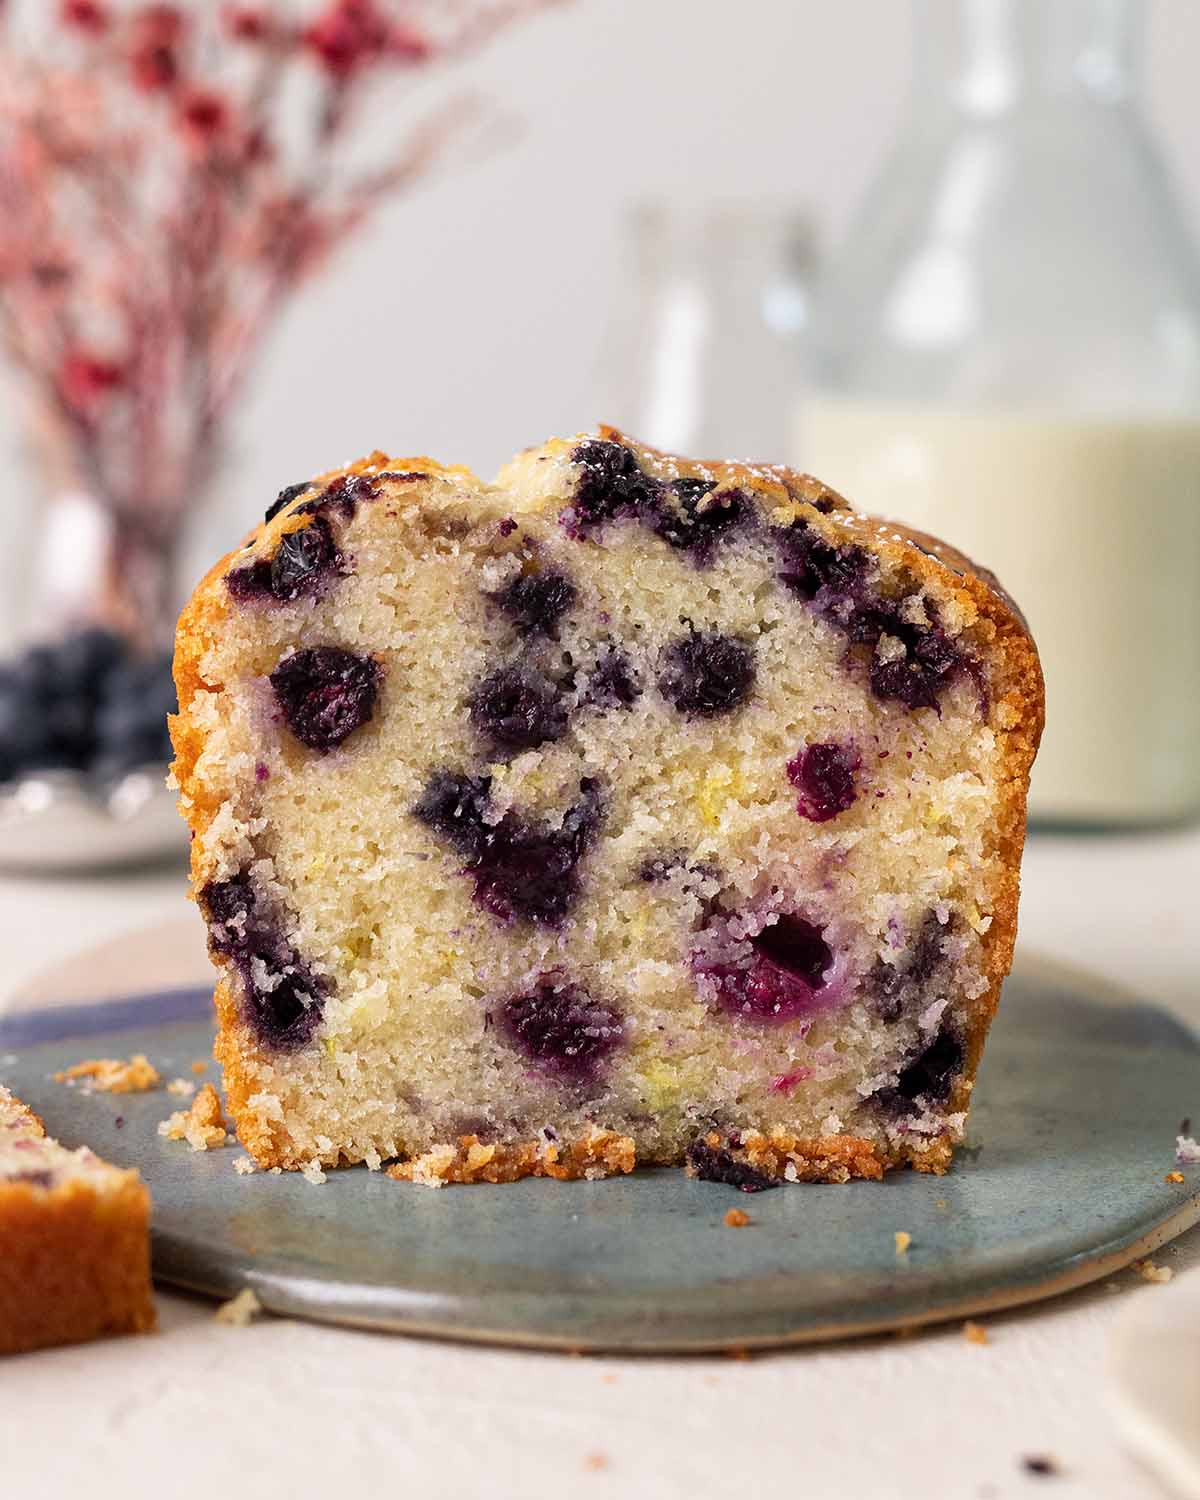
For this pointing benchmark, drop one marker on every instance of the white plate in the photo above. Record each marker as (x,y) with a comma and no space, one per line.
(61,820)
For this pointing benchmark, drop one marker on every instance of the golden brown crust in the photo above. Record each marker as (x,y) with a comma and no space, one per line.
(603,1153)
(1015,710)
(74,1258)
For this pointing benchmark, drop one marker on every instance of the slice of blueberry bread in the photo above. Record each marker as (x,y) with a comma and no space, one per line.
(74,1240)
(625,806)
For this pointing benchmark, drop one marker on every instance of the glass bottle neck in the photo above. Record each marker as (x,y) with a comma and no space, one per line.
(985,57)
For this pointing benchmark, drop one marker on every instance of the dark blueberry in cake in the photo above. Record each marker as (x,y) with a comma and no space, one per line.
(345,495)
(897,987)
(561,1029)
(812,566)
(454,807)
(521,872)
(284,1004)
(612,682)
(706,674)
(250,582)
(282,998)
(823,773)
(285,498)
(532,875)
(35,1178)
(326,694)
(611,484)
(689,520)
(781,977)
(517,708)
(535,602)
(302,559)
(228,906)
(929,1078)
(916,669)
(714,1164)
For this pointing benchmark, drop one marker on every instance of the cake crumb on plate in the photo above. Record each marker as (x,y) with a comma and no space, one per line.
(239,1311)
(202,1126)
(736,1218)
(111,1075)
(974,1333)
(903,1241)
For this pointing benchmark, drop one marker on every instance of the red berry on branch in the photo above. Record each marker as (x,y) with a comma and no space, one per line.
(248,23)
(85,379)
(153,68)
(203,116)
(347,35)
(163,24)
(85,15)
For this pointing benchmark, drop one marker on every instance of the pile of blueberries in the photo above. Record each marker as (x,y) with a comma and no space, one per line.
(90,702)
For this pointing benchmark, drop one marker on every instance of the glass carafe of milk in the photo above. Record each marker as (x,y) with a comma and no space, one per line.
(1007,354)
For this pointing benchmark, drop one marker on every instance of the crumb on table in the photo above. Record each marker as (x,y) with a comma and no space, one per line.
(903,1241)
(202,1126)
(974,1333)
(239,1310)
(243,1166)
(111,1075)
(1148,1271)
(596,1461)
(737,1218)
(1174,1177)
(1041,1464)
(184,1087)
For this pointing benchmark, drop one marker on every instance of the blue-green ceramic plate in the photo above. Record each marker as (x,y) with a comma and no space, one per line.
(1062,1181)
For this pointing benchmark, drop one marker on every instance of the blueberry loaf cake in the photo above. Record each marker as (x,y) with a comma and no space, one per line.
(625,807)
(74,1240)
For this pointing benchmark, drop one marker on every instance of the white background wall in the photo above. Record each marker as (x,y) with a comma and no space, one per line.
(466,322)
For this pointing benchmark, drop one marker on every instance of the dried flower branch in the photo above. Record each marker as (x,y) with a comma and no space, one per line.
(168,177)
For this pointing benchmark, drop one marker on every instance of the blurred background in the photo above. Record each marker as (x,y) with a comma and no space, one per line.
(941,253)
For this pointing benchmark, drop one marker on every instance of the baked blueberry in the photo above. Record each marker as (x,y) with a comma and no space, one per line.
(611,485)
(823,773)
(285,498)
(516,708)
(706,674)
(536,602)
(714,1164)
(326,693)
(560,1028)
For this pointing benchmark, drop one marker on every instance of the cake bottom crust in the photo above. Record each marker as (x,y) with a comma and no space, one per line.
(75,1264)
(742,1159)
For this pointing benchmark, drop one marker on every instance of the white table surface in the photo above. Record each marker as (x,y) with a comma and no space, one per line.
(287,1409)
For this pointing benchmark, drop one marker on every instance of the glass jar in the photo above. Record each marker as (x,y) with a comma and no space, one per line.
(701,354)
(1007,353)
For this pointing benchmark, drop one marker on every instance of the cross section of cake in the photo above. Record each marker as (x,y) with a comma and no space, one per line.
(627,806)
(74,1240)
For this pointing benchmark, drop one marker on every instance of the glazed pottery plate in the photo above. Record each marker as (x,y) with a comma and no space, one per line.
(1061,1181)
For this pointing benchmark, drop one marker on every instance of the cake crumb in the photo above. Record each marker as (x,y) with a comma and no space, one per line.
(110,1075)
(596,1461)
(736,1218)
(1041,1464)
(600,1153)
(199,1066)
(1174,1177)
(312,1174)
(1148,1271)
(1187,1149)
(202,1126)
(974,1333)
(903,1241)
(240,1310)
(184,1087)
(243,1166)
